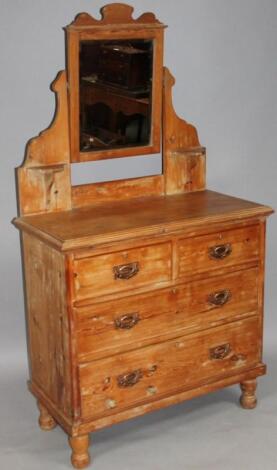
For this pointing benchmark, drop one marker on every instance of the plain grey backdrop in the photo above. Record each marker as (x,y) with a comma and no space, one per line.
(223,54)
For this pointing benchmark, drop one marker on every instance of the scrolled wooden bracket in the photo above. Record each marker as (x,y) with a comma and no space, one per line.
(184,159)
(43,179)
(51,146)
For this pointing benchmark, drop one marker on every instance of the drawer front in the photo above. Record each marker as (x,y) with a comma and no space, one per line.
(122,271)
(130,379)
(218,250)
(117,326)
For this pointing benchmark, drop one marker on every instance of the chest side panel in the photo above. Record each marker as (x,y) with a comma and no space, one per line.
(47,324)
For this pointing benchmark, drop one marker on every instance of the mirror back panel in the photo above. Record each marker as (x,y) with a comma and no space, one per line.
(115,84)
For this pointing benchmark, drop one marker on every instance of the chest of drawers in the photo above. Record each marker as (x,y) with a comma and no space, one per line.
(146,313)
(142,292)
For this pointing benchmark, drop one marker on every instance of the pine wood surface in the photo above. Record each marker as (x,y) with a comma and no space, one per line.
(47,320)
(115,14)
(80,457)
(192,252)
(184,160)
(163,314)
(46,421)
(166,367)
(78,428)
(43,179)
(140,293)
(110,191)
(94,276)
(83,227)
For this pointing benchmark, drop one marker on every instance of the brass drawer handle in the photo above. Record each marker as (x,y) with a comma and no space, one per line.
(126,322)
(220,298)
(126,271)
(130,379)
(220,352)
(220,251)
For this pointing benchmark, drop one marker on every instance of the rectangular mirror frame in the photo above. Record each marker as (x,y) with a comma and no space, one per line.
(76,34)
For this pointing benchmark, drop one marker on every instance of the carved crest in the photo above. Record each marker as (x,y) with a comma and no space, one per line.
(115,13)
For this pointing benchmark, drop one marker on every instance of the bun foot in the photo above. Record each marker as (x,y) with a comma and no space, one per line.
(248,398)
(80,457)
(46,421)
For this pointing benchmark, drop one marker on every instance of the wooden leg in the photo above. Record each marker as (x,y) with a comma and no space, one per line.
(248,398)
(80,457)
(45,420)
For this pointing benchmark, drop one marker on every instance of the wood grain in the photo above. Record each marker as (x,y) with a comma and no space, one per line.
(51,146)
(51,185)
(80,428)
(115,14)
(145,217)
(184,159)
(108,192)
(80,457)
(43,179)
(47,321)
(162,315)
(248,398)
(46,421)
(95,276)
(166,368)
(194,253)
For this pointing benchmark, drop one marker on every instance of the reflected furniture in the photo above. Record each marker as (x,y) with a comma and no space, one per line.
(115,93)
(143,292)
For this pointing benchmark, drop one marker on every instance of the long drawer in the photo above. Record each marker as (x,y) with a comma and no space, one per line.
(129,379)
(132,322)
(121,271)
(207,253)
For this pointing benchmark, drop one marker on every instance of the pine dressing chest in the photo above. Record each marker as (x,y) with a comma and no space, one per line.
(144,292)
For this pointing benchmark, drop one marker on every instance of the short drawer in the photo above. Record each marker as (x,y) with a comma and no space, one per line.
(122,381)
(218,250)
(117,326)
(122,270)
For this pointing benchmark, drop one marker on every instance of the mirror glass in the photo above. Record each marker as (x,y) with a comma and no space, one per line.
(115,93)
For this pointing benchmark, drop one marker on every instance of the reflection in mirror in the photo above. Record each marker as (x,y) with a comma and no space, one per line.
(115,94)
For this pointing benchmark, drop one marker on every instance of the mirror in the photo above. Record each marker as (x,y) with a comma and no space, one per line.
(115,80)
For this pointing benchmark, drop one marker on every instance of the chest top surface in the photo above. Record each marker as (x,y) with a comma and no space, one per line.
(142,217)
